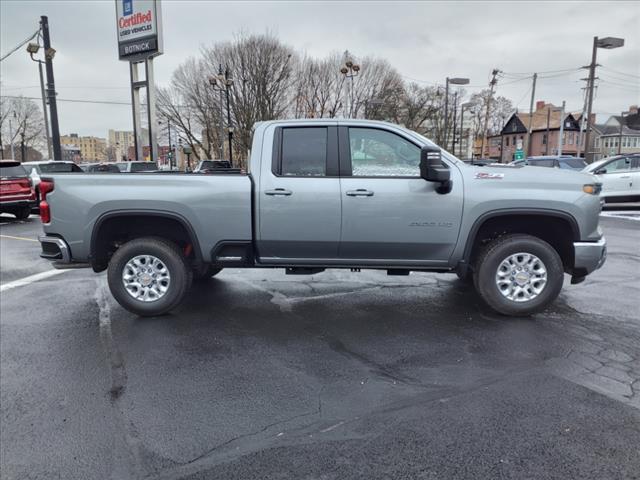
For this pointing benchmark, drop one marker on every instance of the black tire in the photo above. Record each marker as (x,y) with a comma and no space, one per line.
(204,274)
(23,213)
(168,253)
(489,260)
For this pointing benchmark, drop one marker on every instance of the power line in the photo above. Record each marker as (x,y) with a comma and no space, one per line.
(620,73)
(15,49)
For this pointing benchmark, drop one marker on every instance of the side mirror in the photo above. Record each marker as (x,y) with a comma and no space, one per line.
(600,171)
(433,170)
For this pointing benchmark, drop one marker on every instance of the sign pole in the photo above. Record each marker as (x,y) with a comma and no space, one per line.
(139,30)
(135,105)
(151,111)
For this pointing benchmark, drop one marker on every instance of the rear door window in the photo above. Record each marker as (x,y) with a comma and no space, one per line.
(59,168)
(14,171)
(572,163)
(304,152)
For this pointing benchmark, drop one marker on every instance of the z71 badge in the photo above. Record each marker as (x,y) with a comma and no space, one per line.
(489,176)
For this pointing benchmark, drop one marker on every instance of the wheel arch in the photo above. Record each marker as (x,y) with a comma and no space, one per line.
(558,216)
(96,256)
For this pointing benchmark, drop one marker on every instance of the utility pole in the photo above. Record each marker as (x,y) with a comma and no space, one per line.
(51,88)
(592,75)
(546,150)
(529,128)
(582,120)
(620,134)
(561,135)
(492,84)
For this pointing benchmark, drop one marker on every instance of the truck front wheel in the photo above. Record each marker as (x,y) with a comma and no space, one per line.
(518,274)
(148,276)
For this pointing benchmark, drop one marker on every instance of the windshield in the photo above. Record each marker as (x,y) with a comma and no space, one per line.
(144,166)
(572,163)
(58,167)
(14,171)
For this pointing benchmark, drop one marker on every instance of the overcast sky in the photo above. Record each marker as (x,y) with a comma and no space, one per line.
(426,41)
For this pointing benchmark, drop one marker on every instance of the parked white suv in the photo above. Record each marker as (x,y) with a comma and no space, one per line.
(620,177)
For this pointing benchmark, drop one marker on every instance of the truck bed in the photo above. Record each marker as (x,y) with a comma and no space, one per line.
(216,207)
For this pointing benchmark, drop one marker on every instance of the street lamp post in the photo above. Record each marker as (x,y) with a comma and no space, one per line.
(608,43)
(349,70)
(462,109)
(217,82)
(228,81)
(452,81)
(33,48)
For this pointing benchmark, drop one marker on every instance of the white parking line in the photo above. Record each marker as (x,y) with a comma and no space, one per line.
(27,280)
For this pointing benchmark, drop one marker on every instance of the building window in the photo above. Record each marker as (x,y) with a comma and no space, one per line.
(506,141)
(544,138)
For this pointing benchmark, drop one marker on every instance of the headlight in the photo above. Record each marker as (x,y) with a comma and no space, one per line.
(592,188)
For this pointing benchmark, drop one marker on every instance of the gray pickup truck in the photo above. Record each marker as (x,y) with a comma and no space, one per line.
(330,194)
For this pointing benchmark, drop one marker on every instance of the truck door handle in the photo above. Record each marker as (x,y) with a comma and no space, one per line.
(360,192)
(278,191)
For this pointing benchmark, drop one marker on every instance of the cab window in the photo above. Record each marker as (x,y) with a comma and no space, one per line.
(304,152)
(379,153)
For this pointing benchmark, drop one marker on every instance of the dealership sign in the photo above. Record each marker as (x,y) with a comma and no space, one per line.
(139,27)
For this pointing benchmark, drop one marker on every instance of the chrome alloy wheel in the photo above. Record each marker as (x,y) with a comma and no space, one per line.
(146,278)
(521,277)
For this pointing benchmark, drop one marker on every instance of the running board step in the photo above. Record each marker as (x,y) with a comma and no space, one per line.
(302,270)
(398,271)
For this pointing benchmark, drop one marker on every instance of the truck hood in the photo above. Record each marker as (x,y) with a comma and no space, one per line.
(527,175)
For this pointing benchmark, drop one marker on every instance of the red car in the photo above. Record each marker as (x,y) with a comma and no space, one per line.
(17,195)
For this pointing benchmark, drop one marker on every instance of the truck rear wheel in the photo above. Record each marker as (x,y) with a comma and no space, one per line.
(149,276)
(518,275)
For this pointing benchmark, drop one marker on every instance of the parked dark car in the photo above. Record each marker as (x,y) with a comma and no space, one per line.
(553,161)
(101,168)
(17,195)
(479,162)
(216,166)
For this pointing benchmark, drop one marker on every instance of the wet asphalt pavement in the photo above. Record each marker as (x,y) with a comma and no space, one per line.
(334,376)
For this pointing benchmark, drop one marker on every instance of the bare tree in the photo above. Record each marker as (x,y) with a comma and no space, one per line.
(26,122)
(318,87)
(500,111)
(188,104)
(261,68)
